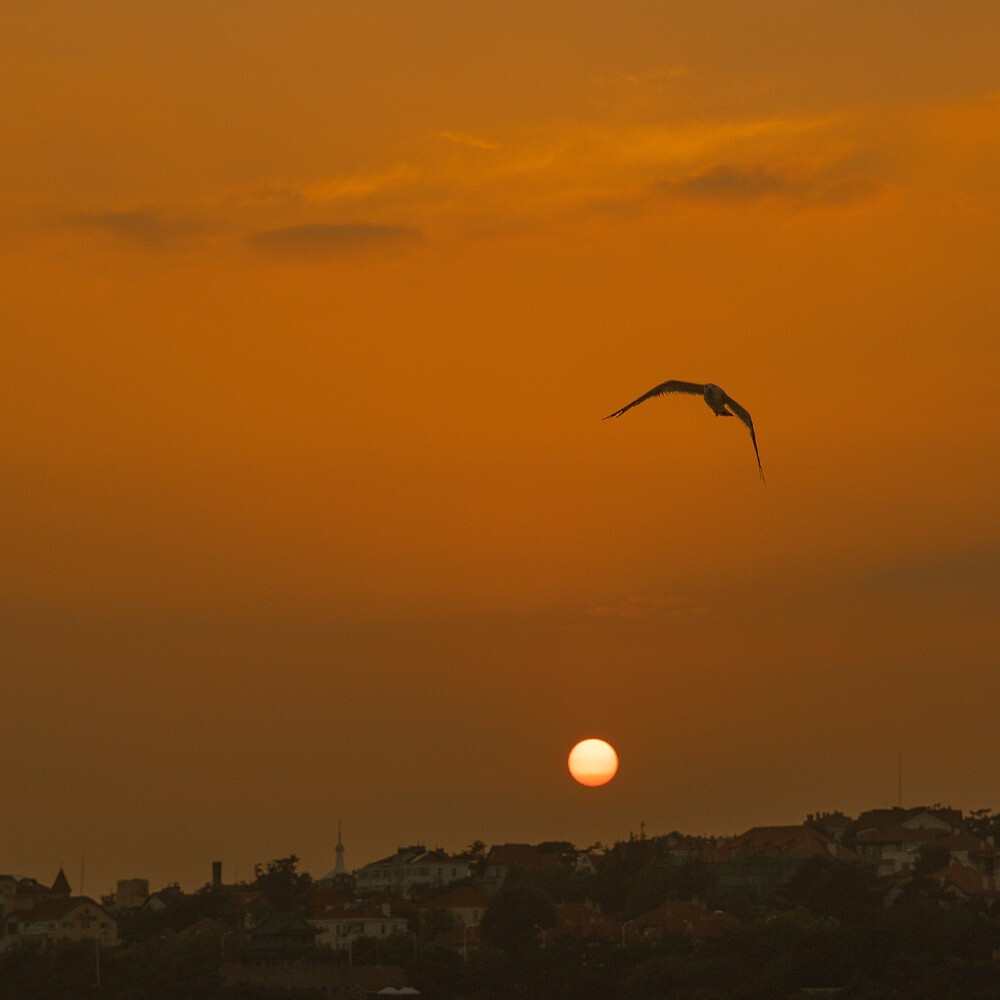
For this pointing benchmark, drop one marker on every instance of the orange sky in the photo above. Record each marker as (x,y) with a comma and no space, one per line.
(311,312)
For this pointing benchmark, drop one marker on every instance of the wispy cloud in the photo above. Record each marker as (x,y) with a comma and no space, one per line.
(547,176)
(654,76)
(144,227)
(360,185)
(465,139)
(321,239)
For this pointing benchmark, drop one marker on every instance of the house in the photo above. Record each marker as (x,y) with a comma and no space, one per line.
(956,881)
(832,824)
(130,894)
(163,899)
(410,867)
(584,920)
(896,849)
(964,849)
(966,883)
(945,820)
(503,859)
(339,927)
(464,940)
(764,857)
(799,842)
(68,918)
(691,918)
(14,888)
(21,892)
(284,932)
(465,903)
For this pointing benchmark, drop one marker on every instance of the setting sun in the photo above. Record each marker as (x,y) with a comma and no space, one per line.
(593,762)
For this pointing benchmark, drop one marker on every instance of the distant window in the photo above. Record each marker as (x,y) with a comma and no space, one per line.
(424,871)
(85,924)
(67,923)
(105,926)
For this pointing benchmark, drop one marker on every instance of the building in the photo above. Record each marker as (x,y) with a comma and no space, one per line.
(131,893)
(764,857)
(20,892)
(465,904)
(896,850)
(340,927)
(585,920)
(338,874)
(284,932)
(162,900)
(916,818)
(690,918)
(504,859)
(70,918)
(410,867)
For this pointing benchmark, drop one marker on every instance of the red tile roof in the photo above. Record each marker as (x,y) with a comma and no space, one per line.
(680,916)
(967,880)
(586,921)
(459,937)
(792,841)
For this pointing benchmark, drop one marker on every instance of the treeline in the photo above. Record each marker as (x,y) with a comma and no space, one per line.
(917,950)
(828,926)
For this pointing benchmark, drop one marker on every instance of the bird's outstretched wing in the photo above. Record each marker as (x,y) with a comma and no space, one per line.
(745,417)
(691,388)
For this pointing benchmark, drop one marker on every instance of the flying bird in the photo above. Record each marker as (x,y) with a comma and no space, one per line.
(721,404)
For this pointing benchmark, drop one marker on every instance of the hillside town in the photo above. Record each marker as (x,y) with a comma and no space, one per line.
(359,930)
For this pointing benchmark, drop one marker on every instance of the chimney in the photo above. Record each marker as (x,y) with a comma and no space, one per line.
(216,874)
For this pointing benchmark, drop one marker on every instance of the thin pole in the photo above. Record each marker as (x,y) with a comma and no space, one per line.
(899,773)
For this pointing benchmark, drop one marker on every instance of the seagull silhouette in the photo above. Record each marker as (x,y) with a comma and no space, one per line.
(718,401)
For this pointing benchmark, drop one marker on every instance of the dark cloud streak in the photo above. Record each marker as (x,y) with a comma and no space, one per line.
(319,239)
(729,183)
(725,182)
(146,228)
(143,227)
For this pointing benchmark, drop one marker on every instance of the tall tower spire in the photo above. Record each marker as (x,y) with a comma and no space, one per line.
(338,868)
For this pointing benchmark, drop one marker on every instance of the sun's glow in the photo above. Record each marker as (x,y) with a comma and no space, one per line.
(593,762)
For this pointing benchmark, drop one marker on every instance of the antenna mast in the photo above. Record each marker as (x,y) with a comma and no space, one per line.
(899,773)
